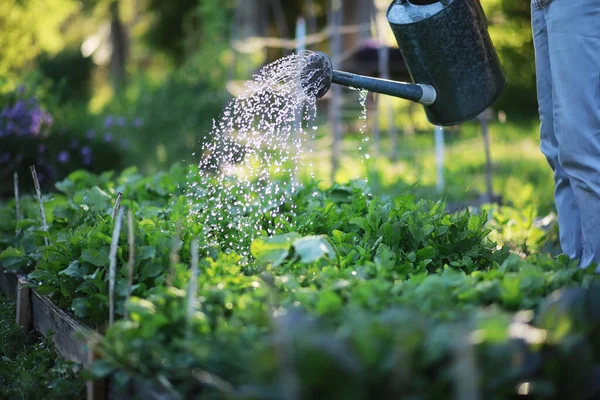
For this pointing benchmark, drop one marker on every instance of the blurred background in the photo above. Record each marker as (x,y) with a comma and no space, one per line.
(107,84)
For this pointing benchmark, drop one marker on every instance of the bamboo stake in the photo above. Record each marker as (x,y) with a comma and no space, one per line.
(193,286)
(117,205)
(174,256)
(114,245)
(17,201)
(38,191)
(131,258)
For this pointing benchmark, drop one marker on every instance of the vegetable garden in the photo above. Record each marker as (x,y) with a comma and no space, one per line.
(353,296)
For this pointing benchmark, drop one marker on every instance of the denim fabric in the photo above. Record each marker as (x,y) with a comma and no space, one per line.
(539,4)
(567,53)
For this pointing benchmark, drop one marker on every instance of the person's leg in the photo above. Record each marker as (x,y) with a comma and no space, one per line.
(568,212)
(574,48)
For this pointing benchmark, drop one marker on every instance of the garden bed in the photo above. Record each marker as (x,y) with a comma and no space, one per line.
(349,296)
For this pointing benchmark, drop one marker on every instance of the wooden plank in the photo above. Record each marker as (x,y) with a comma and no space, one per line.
(96,389)
(69,335)
(23,304)
(8,284)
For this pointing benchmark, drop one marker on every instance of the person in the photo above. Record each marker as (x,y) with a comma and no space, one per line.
(566,37)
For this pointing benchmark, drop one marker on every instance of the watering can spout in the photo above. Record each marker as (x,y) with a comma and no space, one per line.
(448,52)
(318,75)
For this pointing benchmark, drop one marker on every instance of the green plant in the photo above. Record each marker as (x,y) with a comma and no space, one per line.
(29,366)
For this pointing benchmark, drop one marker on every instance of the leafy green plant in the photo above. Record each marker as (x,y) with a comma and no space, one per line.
(29,366)
(377,291)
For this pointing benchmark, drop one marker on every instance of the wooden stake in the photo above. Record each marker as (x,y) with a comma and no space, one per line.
(114,245)
(17,201)
(95,389)
(174,257)
(193,285)
(131,257)
(117,205)
(335,117)
(484,119)
(38,191)
(23,304)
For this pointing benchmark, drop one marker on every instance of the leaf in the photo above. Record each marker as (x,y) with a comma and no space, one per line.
(80,306)
(98,199)
(12,259)
(426,253)
(151,270)
(274,249)
(361,222)
(72,270)
(145,252)
(385,258)
(341,195)
(312,248)
(95,257)
(328,302)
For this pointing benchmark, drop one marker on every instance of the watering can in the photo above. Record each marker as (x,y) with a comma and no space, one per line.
(448,52)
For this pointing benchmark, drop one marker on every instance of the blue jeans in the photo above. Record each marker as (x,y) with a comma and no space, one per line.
(567,53)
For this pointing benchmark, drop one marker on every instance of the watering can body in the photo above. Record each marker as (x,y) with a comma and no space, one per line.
(446,45)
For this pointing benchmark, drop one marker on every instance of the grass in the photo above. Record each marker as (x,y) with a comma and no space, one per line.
(520,174)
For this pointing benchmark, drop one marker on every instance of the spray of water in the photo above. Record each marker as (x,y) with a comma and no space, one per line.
(251,157)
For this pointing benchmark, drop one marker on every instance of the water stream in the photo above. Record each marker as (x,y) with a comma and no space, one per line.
(251,157)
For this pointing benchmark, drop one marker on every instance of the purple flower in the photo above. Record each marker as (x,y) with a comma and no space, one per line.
(19,109)
(121,121)
(108,137)
(4,158)
(48,119)
(11,128)
(63,157)
(86,155)
(21,90)
(90,134)
(108,121)
(138,122)
(42,148)
(74,143)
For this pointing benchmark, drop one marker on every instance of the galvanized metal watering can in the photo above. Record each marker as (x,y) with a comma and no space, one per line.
(448,52)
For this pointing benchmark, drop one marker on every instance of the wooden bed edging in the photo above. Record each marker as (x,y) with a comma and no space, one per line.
(38,312)
(35,311)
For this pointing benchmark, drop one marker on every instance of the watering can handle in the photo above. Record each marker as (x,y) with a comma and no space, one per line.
(447,2)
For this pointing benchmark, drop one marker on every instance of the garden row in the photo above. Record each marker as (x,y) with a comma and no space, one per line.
(352,297)
(30,368)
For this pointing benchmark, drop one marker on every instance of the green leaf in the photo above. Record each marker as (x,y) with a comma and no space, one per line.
(385,258)
(274,249)
(95,257)
(426,253)
(361,222)
(145,252)
(80,306)
(341,195)
(151,270)
(98,199)
(12,259)
(72,270)
(328,302)
(312,248)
